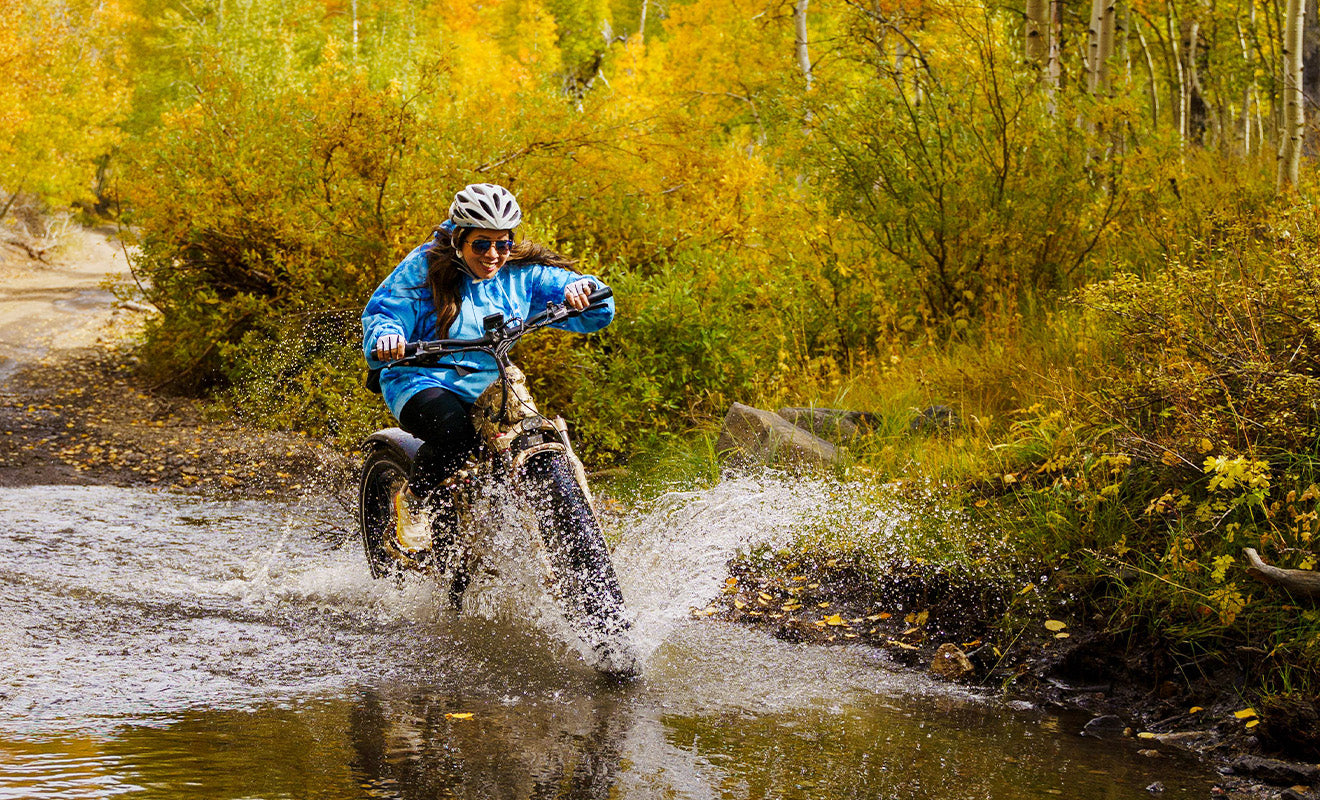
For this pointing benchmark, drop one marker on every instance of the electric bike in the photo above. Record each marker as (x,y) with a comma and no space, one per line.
(526,459)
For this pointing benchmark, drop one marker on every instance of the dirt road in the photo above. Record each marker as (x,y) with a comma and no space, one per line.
(60,303)
(72,410)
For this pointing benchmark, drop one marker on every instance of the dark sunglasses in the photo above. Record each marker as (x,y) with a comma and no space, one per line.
(480,246)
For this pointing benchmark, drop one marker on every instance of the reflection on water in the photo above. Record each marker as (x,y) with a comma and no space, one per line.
(163,646)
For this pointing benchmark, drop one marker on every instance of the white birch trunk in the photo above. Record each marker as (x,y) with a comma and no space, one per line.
(1290,137)
(1150,77)
(800,39)
(641,26)
(1036,33)
(1100,45)
(1180,80)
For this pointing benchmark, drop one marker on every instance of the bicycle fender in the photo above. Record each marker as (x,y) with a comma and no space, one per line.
(396,439)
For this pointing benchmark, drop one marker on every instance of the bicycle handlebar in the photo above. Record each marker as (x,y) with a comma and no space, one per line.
(509,333)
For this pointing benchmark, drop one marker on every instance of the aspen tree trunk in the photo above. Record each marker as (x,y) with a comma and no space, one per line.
(355,28)
(1122,39)
(641,26)
(1290,136)
(1036,34)
(1194,112)
(1310,76)
(1150,77)
(1054,74)
(1100,46)
(1249,92)
(1179,89)
(800,39)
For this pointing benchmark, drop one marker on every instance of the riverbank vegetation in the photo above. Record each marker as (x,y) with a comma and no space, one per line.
(1082,227)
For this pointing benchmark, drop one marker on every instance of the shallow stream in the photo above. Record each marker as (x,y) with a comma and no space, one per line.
(162,645)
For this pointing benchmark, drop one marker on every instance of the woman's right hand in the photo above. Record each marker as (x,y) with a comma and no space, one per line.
(389,347)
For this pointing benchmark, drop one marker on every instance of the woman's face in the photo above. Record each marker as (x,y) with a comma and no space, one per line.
(485,251)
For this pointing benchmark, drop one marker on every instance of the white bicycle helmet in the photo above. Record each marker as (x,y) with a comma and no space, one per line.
(485,205)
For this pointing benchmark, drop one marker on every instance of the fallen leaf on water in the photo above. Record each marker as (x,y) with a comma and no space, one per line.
(792,606)
(822,605)
(1064,635)
(1145,735)
(739,604)
(1246,713)
(834,619)
(765,596)
(903,645)
(1195,710)
(1253,724)
(1055,625)
(465,715)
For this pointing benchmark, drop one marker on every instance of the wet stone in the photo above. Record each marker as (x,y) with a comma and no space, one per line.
(950,663)
(1106,726)
(1279,773)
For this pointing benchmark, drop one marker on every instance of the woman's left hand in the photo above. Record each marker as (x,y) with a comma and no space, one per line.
(576,293)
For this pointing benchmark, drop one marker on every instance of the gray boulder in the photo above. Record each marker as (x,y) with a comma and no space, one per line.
(753,437)
(832,423)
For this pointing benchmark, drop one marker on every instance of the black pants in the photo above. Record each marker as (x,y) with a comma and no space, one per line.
(443,422)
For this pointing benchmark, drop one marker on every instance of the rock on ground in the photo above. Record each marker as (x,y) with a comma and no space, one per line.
(753,437)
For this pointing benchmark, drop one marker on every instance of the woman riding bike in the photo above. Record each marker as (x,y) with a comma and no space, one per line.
(470,268)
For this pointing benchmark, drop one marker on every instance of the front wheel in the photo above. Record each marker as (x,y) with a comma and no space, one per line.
(578,562)
(384,472)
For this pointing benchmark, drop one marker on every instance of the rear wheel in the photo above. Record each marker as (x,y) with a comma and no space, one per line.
(578,562)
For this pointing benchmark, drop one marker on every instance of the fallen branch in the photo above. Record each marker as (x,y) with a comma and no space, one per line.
(36,255)
(1300,582)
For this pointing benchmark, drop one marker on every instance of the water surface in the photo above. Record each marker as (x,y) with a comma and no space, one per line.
(162,645)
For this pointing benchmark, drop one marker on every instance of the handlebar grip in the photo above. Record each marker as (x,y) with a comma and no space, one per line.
(601,294)
(410,349)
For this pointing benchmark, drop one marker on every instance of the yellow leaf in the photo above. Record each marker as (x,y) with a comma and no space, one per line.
(464,715)
(765,596)
(910,631)
(1195,710)
(1027,588)
(903,645)
(1145,735)
(1246,713)
(834,619)
(792,606)
(981,503)
(739,604)
(1055,625)
(1064,635)
(1253,723)
(874,618)
(823,605)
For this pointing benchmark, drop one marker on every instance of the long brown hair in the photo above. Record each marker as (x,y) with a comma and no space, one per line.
(445,278)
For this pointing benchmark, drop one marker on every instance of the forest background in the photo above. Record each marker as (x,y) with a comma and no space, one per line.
(1088,228)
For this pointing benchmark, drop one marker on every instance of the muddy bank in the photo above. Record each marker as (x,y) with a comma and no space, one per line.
(955,628)
(82,417)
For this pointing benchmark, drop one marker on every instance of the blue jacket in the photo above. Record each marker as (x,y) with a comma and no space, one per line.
(402,304)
